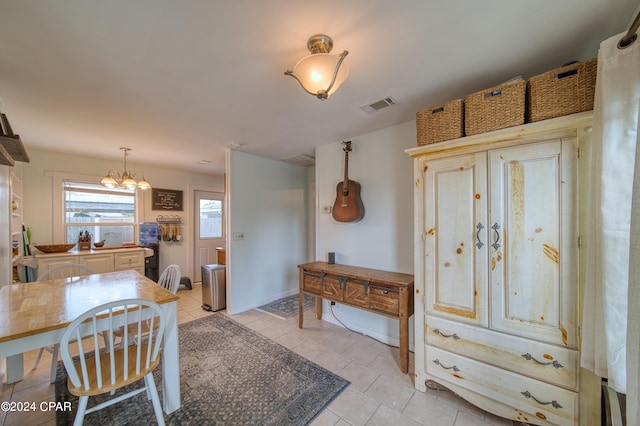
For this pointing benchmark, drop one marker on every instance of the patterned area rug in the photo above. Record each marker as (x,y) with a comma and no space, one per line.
(287,307)
(230,375)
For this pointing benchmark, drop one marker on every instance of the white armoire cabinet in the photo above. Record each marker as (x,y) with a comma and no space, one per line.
(497,303)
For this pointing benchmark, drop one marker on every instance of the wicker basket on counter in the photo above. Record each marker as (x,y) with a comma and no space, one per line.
(566,90)
(495,108)
(440,123)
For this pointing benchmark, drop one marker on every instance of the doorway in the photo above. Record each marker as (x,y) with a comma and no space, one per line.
(208,229)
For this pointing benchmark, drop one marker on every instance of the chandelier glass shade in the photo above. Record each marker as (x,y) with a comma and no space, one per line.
(126,179)
(321,73)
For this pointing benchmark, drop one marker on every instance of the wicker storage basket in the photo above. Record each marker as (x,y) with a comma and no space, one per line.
(562,91)
(495,108)
(440,123)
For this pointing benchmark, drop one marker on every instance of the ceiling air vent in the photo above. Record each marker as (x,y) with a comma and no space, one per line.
(378,105)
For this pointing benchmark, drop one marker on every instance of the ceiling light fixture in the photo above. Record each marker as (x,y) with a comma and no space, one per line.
(320,74)
(125,180)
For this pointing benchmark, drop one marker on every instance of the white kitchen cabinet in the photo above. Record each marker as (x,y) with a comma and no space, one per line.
(55,261)
(496,271)
(102,262)
(129,260)
(99,260)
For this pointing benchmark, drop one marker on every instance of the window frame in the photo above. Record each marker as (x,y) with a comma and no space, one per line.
(58,180)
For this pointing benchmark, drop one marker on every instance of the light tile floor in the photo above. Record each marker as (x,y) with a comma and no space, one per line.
(379,393)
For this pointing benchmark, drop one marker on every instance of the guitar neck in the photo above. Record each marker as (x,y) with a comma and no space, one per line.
(346,168)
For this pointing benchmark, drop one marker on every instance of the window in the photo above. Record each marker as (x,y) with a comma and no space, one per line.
(210,218)
(107,214)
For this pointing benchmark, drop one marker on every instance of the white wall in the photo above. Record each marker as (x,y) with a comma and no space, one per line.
(267,203)
(383,239)
(37,194)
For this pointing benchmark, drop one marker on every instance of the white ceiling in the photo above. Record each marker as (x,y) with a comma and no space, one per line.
(181,81)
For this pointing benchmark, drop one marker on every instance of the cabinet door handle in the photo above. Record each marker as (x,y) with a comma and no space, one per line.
(529,357)
(495,244)
(553,403)
(453,367)
(454,335)
(479,227)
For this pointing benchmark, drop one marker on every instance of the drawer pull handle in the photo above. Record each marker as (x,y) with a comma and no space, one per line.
(454,335)
(453,367)
(479,244)
(553,403)
(311,274)
(384,291)
(555,363)
(495,244)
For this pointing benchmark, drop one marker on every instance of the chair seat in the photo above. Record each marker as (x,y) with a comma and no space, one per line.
(120,381)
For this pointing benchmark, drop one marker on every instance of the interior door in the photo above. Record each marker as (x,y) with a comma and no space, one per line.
(208,229)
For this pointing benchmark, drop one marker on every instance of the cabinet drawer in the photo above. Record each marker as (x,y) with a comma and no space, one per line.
(312,281)
(541,361)
(356,292)
(332,287)
(384,299)
(542,400)
(100,263)
(130,260)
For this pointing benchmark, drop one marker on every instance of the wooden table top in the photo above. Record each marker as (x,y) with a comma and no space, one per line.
(356,272)
(32,308)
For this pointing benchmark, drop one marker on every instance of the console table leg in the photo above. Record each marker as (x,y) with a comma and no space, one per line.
(319,308)
(404,343)
(300,309)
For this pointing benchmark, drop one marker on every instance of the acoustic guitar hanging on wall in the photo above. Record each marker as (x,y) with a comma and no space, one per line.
(348,206)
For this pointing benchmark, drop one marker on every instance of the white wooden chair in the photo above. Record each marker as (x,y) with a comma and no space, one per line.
(60,271)
(98,372)
(169,280)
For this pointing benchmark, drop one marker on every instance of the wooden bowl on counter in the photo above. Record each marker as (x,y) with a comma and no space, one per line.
(55,248)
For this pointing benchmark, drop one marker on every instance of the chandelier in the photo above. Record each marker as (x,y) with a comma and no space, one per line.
(320,74)
(125,180)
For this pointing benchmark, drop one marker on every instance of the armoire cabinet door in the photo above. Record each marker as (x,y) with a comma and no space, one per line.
(455,238)
(533,241)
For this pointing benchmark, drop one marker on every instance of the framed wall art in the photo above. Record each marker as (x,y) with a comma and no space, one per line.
(166,199)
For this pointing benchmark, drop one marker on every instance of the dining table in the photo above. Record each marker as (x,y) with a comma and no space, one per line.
(36,314)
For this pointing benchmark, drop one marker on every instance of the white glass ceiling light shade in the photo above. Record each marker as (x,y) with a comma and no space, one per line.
(125,180)
(321,73)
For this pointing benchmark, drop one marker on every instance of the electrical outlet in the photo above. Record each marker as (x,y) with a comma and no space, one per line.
(238,236)
(326,209)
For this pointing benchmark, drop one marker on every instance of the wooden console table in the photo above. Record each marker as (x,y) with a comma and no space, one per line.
(381,292)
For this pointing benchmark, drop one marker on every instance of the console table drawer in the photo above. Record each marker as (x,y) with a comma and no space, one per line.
(384,299)
(356,293)
(312,282)
(332,287)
